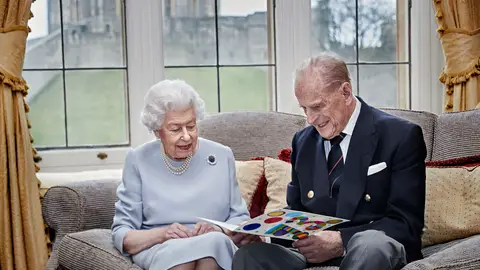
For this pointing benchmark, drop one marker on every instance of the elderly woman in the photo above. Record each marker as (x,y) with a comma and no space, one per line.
(170,182)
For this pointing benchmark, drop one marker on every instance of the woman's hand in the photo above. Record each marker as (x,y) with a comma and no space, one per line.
(176,230)
(204,227)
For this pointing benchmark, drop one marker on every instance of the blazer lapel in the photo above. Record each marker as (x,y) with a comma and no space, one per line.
(320,176)
(360,153)
(317,166)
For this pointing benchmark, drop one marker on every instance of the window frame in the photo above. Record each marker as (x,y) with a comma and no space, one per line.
(270,64)
(292,26)
(145,67)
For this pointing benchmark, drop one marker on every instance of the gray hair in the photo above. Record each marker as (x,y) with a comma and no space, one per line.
(328,70)
(169,95)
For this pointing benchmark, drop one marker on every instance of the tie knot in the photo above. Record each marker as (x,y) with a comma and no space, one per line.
(338,139)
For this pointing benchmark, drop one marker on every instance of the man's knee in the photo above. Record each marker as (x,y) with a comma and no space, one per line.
(373,240)
(259,255)
(373,247)
(248,256)
(250,250)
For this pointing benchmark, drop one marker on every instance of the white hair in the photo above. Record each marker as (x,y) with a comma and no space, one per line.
(169,95)
(327,69)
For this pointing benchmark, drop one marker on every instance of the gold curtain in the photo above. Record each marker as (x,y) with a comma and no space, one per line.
(22,237)
(459,31)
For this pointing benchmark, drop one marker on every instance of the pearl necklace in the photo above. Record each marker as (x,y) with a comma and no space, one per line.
(176,170)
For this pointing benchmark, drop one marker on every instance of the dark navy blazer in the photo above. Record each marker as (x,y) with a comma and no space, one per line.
(391,200)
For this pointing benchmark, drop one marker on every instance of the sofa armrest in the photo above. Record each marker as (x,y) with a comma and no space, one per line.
(78,206)
(92,249)
(462,255)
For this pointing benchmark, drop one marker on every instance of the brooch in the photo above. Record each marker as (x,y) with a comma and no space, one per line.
(211,160)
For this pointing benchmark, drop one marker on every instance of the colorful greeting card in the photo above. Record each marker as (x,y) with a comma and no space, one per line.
(284,224)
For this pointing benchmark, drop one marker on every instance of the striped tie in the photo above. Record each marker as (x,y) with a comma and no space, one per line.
(335,165)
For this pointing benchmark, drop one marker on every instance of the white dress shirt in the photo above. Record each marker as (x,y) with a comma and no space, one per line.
(348,130)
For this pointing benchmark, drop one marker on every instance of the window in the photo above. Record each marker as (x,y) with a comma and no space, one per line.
(372,36)
(76,69)
(86,99)
(224,49)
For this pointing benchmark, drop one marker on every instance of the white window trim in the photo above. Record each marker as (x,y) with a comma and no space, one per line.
(145,67)
(427,59)
(293,46)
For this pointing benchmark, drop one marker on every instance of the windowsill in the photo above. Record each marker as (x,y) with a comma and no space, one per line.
(68,160)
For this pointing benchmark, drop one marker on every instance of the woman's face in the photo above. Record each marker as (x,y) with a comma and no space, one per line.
(179,133)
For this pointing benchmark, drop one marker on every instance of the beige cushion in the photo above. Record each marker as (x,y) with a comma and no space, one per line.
(452,207)
(277,174)
(249,174)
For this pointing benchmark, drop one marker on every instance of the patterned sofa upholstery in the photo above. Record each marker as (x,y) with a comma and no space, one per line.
(80,214)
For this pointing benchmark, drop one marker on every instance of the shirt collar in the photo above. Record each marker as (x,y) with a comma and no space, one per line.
(353,118)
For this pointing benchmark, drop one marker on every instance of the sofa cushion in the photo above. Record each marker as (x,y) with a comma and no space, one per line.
(260,199)
(469,162)
(250,178)
(430,250)
(462,255)
(456,135)
(252,134)
(285,154)
(92,249)
(277,174)
(452,201)
(425,120)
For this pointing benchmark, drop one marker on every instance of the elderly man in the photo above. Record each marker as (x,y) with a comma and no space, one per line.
(353,162)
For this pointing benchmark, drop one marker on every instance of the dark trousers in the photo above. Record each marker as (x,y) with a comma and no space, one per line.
(366,250)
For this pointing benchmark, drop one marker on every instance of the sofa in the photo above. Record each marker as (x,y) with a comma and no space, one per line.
(79,213)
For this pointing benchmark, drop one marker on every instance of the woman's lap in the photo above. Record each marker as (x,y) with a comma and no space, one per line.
(179,251)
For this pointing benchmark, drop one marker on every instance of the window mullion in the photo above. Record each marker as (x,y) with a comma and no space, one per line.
(145,58)
(293,26)
(427,59)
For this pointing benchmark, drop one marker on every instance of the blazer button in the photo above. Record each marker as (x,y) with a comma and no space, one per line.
(310,194)
(367,198)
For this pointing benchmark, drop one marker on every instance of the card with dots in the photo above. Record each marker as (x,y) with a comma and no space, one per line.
(284,224)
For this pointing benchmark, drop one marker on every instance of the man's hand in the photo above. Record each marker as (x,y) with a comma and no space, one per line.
(241,239)
(320,247)
(204,227)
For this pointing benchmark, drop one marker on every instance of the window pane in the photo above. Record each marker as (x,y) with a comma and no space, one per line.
(352,69)
(96,107)
(203,80)
(45,98)
(333,28)
(243,32)
(379,84)
(93,33)
(245,88)
(377,33)
(189,32)
(44,42)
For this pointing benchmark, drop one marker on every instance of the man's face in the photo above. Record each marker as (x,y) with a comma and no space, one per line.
(327,110)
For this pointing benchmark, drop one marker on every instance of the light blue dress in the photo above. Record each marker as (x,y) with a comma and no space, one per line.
(151,196)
